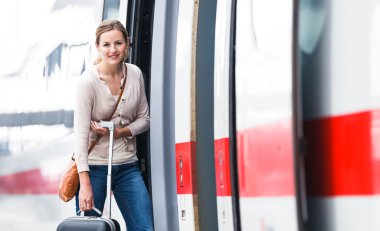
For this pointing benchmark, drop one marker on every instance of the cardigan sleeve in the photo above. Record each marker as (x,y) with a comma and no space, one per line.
(82,118)
(141,124)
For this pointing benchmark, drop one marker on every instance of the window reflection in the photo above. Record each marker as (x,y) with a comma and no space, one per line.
(37,83)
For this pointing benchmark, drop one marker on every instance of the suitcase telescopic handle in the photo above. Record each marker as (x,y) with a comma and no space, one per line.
(110,126)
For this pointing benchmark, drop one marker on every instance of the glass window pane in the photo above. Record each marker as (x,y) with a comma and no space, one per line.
(111,9)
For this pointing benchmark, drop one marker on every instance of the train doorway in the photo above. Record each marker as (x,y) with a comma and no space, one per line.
(140,27)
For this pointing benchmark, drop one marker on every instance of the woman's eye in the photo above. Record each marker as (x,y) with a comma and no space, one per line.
(106,45)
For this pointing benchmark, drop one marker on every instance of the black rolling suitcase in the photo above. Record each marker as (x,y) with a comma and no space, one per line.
(103,223)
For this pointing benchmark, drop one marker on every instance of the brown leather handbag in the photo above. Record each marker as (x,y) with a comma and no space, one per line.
(68,186)
(69,183)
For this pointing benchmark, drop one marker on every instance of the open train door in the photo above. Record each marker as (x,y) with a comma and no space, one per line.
(139,19)
(222,73)
(265,128)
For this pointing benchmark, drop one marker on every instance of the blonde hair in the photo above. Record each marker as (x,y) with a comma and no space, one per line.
(108,25)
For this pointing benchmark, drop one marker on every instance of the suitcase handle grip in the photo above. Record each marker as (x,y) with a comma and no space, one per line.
(107,124)
(93,208)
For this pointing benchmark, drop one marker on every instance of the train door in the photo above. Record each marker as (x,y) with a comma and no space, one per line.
(341,92)
(265,117)
(222,67)
(162,101)
(185,117)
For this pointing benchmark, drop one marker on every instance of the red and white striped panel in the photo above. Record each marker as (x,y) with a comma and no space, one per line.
(29,188)
(221,115)
(187,195)
(264,115)
(342,115)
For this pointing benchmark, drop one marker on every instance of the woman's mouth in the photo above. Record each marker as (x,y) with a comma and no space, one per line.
(114,56)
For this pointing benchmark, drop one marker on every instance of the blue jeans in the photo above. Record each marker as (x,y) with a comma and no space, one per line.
(129,191)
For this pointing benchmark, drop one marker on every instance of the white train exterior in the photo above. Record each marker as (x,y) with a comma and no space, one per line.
(264,115)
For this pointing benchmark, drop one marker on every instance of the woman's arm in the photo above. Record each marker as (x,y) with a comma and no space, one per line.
(141,123)
(82,118)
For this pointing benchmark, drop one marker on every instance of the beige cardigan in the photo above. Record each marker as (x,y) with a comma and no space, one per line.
(94,101)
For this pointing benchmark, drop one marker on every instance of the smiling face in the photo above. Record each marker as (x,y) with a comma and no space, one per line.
(112,46)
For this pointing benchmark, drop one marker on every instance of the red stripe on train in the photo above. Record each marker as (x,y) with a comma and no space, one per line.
(265,160)
(343,155)
(186,168)
(222,167)
(29,182)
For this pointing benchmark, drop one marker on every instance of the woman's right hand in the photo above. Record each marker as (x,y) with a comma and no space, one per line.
(98,130)
(86,197)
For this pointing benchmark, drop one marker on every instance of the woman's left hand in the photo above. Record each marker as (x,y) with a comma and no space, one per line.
(122,132)
(118,133)
(98,130)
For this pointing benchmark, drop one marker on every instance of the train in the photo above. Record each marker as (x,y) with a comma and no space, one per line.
(265,114)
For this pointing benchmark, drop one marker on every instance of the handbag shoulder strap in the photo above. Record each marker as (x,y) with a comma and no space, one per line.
(94,141)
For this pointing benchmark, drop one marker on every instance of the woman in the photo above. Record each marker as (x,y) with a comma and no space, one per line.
(97,95)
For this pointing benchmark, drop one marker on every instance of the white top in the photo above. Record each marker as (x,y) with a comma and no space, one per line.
(94,101)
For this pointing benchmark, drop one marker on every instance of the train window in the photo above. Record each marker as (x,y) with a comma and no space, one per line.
(76,63)
(66,60)
(53,61)
(312,18)
(111,9)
